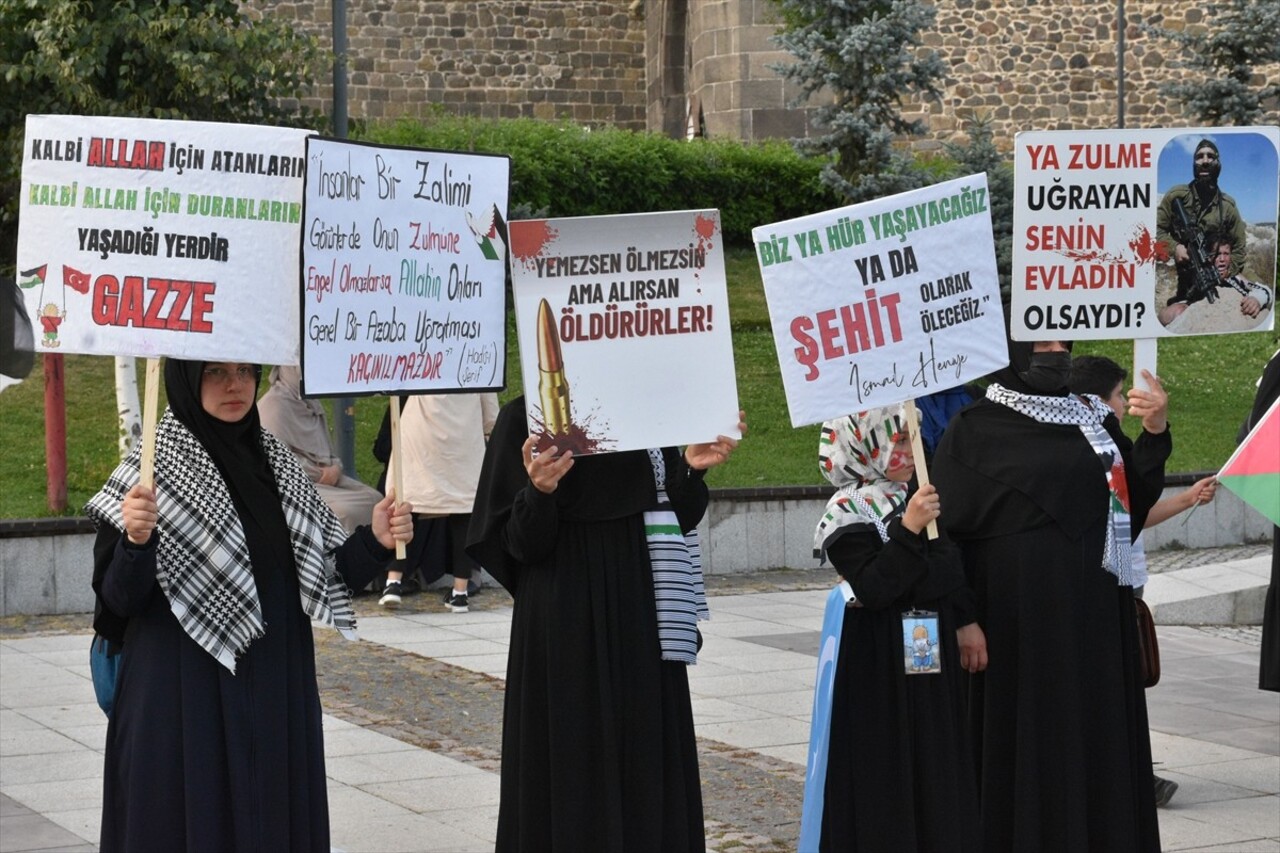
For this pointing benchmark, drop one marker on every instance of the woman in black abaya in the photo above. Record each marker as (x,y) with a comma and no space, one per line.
(1044,493)
(598,747)
(211,580)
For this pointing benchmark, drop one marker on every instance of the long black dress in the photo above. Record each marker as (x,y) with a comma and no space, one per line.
(1269,664)
(900,772)
(598,745)
(198,758)
(1059,717)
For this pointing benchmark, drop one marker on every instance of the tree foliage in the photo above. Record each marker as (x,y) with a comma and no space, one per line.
(978,155)
(172,59)
(1225,86)
(859,59)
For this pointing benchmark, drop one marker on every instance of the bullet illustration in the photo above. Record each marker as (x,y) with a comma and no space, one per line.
(553,388)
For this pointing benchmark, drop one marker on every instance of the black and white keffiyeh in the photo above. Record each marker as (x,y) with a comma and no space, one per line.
(678,587)
(202,558)
(1087,412)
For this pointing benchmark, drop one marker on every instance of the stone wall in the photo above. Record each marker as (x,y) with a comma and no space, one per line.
(704,66)
(547,59)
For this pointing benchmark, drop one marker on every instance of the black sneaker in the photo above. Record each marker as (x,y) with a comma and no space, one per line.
(457,602)
(1165,789)
(391,595)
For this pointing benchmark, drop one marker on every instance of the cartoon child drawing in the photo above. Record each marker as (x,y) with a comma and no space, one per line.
(50,319)
(921,651)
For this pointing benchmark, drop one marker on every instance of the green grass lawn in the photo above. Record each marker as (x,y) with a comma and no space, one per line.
(1210,382)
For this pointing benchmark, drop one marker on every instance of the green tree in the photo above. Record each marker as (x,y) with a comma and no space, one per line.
(860,58)
(172,59)
(1224,85)
(979,154)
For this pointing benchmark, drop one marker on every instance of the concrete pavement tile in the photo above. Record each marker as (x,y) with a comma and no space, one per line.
(801,642)
(415,764)
(372,629)
(85,824)
(477,819)
(31,671)
(425,796)
(66,795)
(1261,706)
(786,703)
(744,685)
(1261,845)
(72,659)
(35,832)
(795,753)
(410,834)
(64,716)
(1188,829)
(92,737)
(54,642)
(1256,775)
(1260,739)
(14,721)
(351,809)
(494,666)
(27,742)
(1255,817)
(50,767)
(10,807)
(455,648)
(26,696)
(706,711)
(360,741)
(1178,751)
(499,632)
(754,734)
(1194,791)
(1192,719)
(744,627)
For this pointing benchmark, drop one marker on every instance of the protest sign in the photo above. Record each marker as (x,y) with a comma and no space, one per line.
(623,323)
(404,270)
(1119,234)
(884,301)
(141,237)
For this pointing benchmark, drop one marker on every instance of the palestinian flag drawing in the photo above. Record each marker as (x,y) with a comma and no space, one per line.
(490,232)
(1253,471)
(33,277)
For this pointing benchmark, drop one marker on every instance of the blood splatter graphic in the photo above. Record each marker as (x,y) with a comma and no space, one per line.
(583,438)
(1092,256)
(1146,248)
(529,238)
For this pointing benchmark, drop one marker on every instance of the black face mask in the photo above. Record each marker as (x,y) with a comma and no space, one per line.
(1049,371)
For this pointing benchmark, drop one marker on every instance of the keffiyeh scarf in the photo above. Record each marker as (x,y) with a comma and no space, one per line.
(853,453)
(1087,411)
(678,587)
(202,558)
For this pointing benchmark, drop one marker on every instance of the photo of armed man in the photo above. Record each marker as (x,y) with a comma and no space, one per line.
(1220,247)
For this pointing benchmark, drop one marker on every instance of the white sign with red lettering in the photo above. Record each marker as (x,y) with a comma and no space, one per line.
(142,237)
(884,301)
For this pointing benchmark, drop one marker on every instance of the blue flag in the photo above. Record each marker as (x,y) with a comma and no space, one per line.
(815,777)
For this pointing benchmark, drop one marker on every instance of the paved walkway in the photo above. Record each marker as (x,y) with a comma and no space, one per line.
(413,716)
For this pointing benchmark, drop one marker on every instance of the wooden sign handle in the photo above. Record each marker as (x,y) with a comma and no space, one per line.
(917,455)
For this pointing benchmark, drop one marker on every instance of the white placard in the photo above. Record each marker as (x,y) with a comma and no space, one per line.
(142,237)
(634,349)
(883,301)
(1094,232)
(403,269)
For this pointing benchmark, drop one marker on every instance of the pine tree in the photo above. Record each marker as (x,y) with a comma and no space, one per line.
(859,59)
(1224,86)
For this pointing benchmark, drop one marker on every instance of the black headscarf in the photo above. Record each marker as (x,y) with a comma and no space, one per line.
(597,488)
(236,450)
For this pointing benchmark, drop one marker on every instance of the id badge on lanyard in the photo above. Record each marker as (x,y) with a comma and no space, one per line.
(922,646)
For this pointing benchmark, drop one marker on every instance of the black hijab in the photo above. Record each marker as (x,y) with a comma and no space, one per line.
(236,450)
(597,488)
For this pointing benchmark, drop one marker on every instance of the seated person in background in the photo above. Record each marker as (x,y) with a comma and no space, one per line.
(1255,297)
(302,426)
